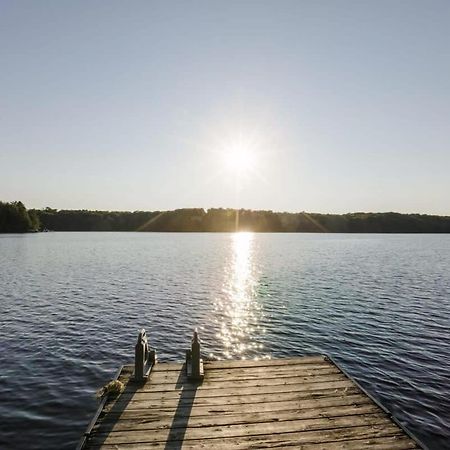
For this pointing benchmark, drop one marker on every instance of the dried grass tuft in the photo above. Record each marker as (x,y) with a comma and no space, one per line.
(111,389)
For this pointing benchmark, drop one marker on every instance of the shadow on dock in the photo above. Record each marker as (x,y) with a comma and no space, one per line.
(111,416)
(299,402)
(182,414)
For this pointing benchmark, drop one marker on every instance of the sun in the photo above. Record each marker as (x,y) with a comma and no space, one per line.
(239,159)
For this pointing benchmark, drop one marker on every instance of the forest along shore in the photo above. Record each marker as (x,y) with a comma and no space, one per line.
(15,218)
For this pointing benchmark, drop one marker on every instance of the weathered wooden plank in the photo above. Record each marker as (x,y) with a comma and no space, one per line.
(273,364)
(233,399)
(234,384)
(380,442)
(303,403)
(212,383)
(127,370)
(167,367)
(289,426)
(289,371)
(383,443)
(328,401)
(215,420)
(268,432)
(246,373)
(173,371)
(227,364)
(273,369)
(224,392)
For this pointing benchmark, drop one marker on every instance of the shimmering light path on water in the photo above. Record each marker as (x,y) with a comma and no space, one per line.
(72,303)
(238,311)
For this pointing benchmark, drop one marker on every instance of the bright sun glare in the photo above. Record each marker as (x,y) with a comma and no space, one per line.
(239,159)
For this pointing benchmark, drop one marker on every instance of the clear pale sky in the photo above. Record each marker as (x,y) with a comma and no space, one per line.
(125,105)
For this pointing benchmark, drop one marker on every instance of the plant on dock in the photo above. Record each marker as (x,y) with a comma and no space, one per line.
(111,389)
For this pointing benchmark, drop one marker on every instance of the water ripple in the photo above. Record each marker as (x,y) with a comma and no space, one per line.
(71,305)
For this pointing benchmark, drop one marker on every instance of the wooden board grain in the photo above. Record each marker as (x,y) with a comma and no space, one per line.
(162,377)
(276,405)
(303,403)
(166,421)
(237,399)
(242,430)
(227,364)
(233,385)
(330,441)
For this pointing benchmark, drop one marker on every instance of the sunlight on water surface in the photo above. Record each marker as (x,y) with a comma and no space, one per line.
(238,311)
(72,304)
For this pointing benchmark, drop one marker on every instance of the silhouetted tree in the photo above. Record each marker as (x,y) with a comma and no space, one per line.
(14,218)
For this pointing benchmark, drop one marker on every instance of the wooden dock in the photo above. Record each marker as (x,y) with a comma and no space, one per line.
(302,403)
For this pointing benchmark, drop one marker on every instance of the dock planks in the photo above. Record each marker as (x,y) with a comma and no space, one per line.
(304,403)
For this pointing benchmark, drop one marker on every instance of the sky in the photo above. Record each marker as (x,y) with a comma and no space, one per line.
(321,106)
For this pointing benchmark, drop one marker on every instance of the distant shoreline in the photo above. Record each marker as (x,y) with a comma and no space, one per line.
(230,220)
(15,218)
(239,231)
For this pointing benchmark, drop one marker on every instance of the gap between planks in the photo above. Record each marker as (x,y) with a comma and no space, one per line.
(178,421)
(352,399)
(346,414)
(152,386)
(234,399)
(373,443)
(301,430)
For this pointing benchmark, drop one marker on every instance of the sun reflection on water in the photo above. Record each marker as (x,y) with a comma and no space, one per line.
(239,312)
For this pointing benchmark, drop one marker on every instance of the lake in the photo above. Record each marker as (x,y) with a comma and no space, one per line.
(72,304)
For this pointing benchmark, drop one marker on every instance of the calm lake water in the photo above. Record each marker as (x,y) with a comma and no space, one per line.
(72,303)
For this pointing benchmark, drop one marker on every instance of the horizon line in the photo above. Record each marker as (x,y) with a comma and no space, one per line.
(244,209)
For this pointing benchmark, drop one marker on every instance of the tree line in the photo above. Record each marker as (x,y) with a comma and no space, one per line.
(14,217)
